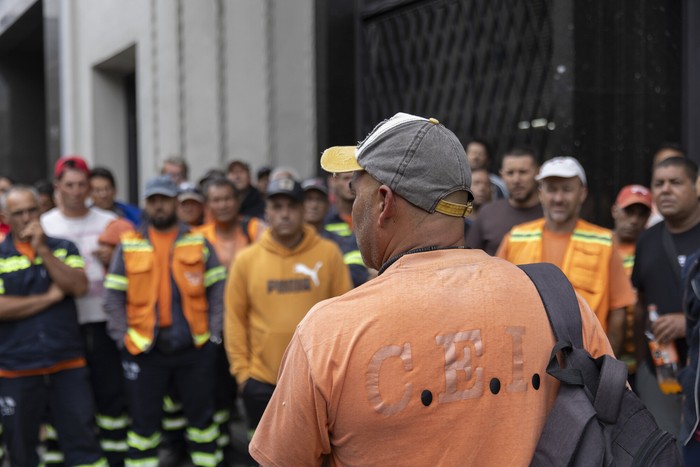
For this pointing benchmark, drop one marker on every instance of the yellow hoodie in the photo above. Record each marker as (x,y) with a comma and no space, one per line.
(269,290)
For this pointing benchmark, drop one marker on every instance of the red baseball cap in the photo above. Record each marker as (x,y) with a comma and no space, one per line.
(70,162)
(634,194)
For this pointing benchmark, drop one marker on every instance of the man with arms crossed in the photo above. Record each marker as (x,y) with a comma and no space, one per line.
(42,364)
(435,341)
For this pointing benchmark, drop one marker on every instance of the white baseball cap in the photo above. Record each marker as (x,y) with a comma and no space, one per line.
(564,167)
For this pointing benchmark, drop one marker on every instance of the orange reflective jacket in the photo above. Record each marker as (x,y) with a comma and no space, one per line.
(586,261)
(188,273)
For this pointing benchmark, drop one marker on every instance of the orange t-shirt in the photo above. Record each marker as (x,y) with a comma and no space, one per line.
(227,247)
(162,248)
(441,360)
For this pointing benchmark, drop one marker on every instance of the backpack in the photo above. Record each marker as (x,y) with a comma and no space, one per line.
(596,419)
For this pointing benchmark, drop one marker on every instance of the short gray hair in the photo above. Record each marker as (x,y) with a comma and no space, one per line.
(14,189)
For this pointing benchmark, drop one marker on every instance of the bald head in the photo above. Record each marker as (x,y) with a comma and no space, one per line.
(386,224)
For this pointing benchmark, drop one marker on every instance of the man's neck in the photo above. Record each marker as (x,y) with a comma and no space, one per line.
(530,202)
(75,213)
(226,228)
(317,225)
(621,241)
(684,224)
(164,230)
(289,241)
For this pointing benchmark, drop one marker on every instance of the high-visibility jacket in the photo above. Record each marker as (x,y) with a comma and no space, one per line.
(135,272)
(586,260)
(49,340)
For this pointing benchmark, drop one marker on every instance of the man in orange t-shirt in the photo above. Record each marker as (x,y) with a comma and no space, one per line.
(441,359)
(583,251)
(630,212)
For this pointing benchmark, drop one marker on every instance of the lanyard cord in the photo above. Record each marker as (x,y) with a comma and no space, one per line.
(395,258)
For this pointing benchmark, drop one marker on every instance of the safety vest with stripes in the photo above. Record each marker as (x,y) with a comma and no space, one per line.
(189,274)
(586,260)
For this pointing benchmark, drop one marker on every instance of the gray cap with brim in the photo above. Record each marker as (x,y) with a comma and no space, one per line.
(160,185)
(416,157)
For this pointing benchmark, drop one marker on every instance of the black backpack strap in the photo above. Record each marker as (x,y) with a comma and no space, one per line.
(557,294)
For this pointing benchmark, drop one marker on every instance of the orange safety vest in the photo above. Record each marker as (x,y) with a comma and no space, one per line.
(586,260)
(142,272)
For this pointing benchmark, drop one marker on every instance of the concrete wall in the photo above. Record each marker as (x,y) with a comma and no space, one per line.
(215,80)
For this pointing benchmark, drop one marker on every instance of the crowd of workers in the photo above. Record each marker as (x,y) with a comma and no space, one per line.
(127,333)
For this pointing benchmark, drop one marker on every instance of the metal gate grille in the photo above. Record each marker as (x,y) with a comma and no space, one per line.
(596,80)
(481,67)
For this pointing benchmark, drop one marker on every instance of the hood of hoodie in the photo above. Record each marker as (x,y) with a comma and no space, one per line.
(308,241)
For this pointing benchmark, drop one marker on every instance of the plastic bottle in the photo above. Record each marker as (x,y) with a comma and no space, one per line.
(665,357)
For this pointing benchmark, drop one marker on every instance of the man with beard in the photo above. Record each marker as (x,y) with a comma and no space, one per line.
(518,170)
(661,254)
(83,225)
(164,301)
(583,251)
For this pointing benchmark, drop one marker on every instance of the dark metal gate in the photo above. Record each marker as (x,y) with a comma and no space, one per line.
(593,79)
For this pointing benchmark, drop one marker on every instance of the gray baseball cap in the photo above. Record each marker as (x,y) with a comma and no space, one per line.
(160,185)
(416,157)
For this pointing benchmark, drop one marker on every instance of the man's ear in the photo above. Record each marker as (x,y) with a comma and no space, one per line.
(614,210)
(387,204)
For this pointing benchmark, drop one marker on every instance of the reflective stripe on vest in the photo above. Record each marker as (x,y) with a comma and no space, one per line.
(116,282)
(339,228)
(353,257)
(142,343)
(586,261)
(21,262)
